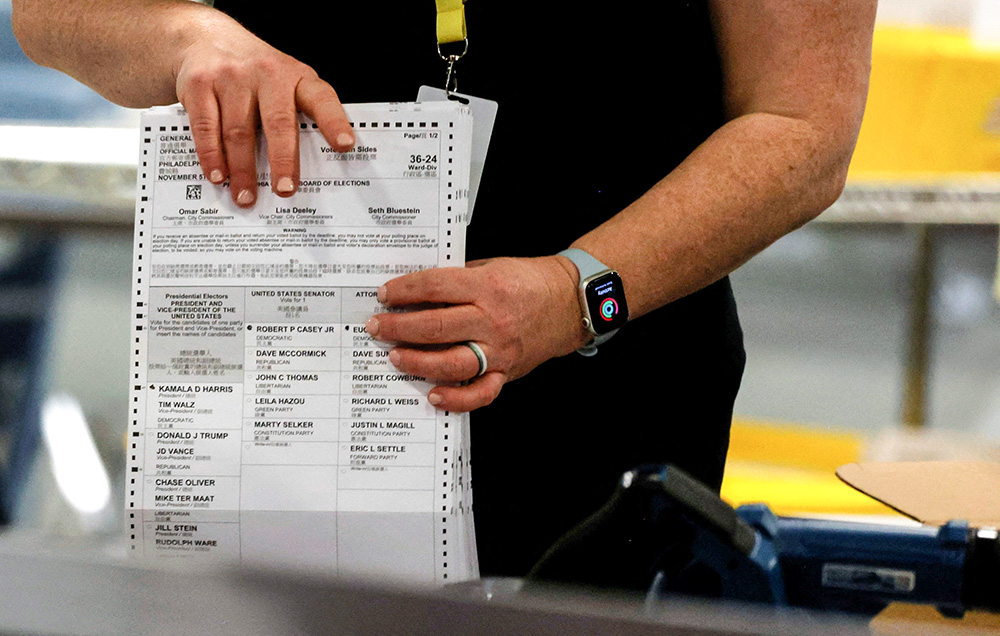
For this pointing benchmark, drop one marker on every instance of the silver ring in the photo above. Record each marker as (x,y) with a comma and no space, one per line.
(480,356)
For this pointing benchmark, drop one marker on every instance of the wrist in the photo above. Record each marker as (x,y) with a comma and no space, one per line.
(601,296)
(183,25)
(191,31)
(573,334)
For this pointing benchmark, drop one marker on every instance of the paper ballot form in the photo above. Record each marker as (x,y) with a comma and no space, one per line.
(265,424)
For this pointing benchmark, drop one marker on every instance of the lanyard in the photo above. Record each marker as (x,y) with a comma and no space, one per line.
(451,29)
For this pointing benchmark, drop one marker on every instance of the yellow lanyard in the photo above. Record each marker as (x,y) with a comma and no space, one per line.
(450,21)
(451,28)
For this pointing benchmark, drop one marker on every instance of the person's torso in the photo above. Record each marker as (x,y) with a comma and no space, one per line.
(595,106)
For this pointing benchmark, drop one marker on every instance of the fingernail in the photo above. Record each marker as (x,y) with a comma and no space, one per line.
(285,185)
(435,399)
(394,357)
(245,197)
(380,294)
(372,326)
(215,176)
(345,140)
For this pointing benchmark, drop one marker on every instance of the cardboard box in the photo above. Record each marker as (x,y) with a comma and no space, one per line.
(932,493)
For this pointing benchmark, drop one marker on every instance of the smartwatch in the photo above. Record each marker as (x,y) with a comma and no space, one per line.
(602,297)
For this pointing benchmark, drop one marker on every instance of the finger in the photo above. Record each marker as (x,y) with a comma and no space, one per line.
(454,364)
(281,128)
(239,137)
(478,393)
(316,98)
(452,285)
(203,111)
(431,326)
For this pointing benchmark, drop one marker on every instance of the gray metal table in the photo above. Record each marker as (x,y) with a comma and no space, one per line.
(87,590)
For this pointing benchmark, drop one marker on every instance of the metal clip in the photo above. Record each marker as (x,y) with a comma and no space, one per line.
(451,79)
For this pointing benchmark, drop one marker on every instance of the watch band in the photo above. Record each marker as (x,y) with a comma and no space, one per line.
(588,266)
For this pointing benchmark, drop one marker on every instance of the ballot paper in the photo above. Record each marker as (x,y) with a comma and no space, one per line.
(265,424)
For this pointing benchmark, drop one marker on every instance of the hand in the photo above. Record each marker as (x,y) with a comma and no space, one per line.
(520,311)
(229,81)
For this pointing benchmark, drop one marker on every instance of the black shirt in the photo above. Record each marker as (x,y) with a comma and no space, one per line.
(595,106)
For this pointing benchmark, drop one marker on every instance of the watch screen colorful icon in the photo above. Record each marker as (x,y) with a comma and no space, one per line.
(606,304)
(609,308)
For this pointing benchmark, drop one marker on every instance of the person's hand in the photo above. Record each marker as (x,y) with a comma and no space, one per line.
(233,81)
(520,311)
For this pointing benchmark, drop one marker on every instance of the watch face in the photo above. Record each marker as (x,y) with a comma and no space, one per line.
(606,301)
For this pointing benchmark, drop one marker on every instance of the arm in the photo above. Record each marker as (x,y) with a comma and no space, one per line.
(796,79)
(140,53)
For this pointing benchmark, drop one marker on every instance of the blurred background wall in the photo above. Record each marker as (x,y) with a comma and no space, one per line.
(945,13)
(826,309)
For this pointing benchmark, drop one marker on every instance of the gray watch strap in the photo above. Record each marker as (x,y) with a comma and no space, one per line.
(588,266)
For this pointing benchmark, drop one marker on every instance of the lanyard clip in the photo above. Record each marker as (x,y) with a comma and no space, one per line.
(451,79)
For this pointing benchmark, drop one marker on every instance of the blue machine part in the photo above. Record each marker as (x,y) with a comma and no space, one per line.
(863,567)
(664,532)
(754,577)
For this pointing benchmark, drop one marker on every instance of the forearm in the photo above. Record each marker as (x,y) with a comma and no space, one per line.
(127,50)
(754,180)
